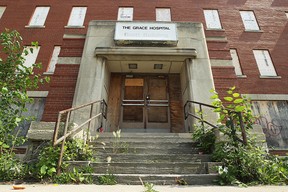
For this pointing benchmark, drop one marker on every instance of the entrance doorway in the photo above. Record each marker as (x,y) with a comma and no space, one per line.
(145,104)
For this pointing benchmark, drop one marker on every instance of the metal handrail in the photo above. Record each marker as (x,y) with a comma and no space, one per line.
(187,113)
(66,134)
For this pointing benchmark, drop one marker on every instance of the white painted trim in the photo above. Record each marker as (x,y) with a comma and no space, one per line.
(267,97)
(35,26)
(270,77)
(74,36)
(37,93)
(72,26)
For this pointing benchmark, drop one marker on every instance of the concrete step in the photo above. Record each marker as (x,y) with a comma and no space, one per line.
(145,150)
(146,137)
(163,179)
(147,168)
(159,158)
(156,158)
(142,143)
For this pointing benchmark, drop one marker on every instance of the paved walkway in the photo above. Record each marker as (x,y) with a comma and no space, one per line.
(139,188)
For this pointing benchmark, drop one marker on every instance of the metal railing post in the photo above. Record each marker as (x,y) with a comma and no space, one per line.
(56,129)
(202,118)
(63,144)
(243,131)
(89,124)
(66,134)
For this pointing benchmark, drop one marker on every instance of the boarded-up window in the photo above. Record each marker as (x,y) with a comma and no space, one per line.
(77,16)
(125,14)
(54,59)
(31,57)
(264,63)
(2,9)
(249,20)
(35,110)
(39,16)
(273,117)
(163,14)
(236,62)
(212,19)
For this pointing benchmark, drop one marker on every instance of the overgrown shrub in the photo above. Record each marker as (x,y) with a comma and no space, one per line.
(11,168)
(75,150)
(205,138)
(243,163)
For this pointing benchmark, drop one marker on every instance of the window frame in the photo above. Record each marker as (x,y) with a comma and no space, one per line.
(157,9)
(255,22)
(70,23)
(53,60)
(268,62)
(2,11)
(208,22)
(33,22)
(31,58)
(123,10)
(236,63)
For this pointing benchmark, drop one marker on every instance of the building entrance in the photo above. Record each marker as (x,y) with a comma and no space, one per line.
(145,104)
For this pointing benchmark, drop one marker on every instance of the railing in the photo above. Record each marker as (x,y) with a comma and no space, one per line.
(64,118)
(231,120)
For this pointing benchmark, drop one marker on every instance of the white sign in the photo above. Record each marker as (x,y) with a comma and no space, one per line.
(145,33)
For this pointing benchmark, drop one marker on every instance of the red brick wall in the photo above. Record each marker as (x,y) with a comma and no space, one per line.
(176,104)
(270,15)
(62,91)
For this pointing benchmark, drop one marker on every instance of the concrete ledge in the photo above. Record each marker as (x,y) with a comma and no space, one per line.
(37,93)
(267,97)
(69,60)
(42,131)
(221,63)
(74,36)
(188,52)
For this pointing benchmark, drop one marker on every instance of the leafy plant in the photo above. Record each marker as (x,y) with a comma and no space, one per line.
(11,168)
(117,145)
(15,80)
(243,163)
(205,137)
(180,181)
(49,155)
(149,187)
(76,176)
(108,179)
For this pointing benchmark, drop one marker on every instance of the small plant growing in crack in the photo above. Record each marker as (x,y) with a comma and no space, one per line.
(180,181)
(149,187)
(109,178)
(117,145)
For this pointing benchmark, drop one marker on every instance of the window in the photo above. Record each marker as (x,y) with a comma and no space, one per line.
(264,63)
(77,16)
(39,16)
(2,9)
(212,19)
(163,14)
(54,59)
(31,57)
(125,14)
(286,14)
(236,62)
(249,20)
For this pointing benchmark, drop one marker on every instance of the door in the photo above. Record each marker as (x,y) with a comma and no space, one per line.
(145,104)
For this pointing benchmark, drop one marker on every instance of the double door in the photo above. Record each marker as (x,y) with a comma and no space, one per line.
(145,104)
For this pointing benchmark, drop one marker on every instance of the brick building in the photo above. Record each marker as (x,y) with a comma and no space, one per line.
(146,59)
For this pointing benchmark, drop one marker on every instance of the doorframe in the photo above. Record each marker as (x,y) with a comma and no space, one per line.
(145,76)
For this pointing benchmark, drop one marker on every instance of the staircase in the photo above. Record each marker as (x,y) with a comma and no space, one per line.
(159,158)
